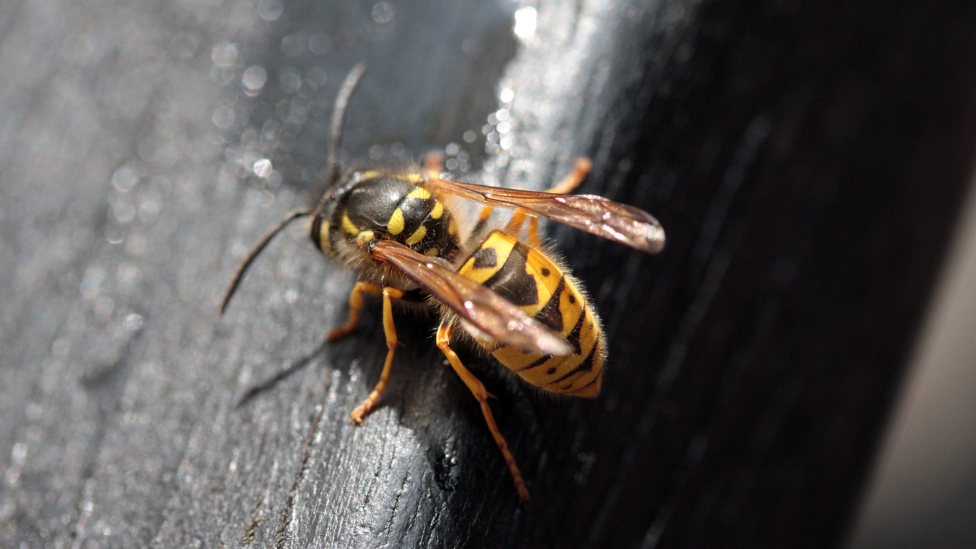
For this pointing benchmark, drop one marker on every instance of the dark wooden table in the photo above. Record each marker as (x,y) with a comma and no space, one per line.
(807,160)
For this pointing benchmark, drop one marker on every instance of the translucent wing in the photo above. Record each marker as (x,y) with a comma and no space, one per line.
(591,213)
(474,303)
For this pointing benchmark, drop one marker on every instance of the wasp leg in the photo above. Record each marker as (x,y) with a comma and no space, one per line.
(477,233)
(480,393)
(391,343)
(433,166)
(566,186)
(514,226)
(534,239)
(484,215)
(355,306)
(580,170)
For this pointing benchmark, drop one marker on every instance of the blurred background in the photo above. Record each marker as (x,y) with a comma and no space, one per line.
(921,492)
(796,369)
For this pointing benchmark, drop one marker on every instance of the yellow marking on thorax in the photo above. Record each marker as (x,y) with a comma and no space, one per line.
(364,237)
(417,236)
(420,193)
(432,252)
(452,228)
(396,223)
(348,225)
(414,178)
(438,210)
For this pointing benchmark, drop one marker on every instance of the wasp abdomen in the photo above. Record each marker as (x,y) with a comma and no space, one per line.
(530,280)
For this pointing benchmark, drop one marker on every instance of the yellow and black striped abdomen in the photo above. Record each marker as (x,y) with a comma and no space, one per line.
(530,280)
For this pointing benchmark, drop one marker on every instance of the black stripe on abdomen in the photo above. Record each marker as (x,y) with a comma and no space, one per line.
(585,366)
(513,281)
(550,314)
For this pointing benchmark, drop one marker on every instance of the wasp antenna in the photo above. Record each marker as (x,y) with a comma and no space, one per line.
(338,119)
(254,253)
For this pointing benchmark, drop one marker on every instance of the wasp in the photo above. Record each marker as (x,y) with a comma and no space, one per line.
(491,287)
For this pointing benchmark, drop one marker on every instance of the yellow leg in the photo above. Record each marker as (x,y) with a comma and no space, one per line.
(355,306)
(478,231)
(566,186)
(575,177)
(433,166)
(478,389)
(534,239)
(485,214)
(391,343)
(514,226)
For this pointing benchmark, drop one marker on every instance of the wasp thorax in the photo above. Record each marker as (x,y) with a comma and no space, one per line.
(367,206)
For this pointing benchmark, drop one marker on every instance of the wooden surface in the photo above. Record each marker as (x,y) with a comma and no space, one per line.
(806,159)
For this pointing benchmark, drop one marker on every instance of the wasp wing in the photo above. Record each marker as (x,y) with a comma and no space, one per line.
(480,306)
(591,213)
